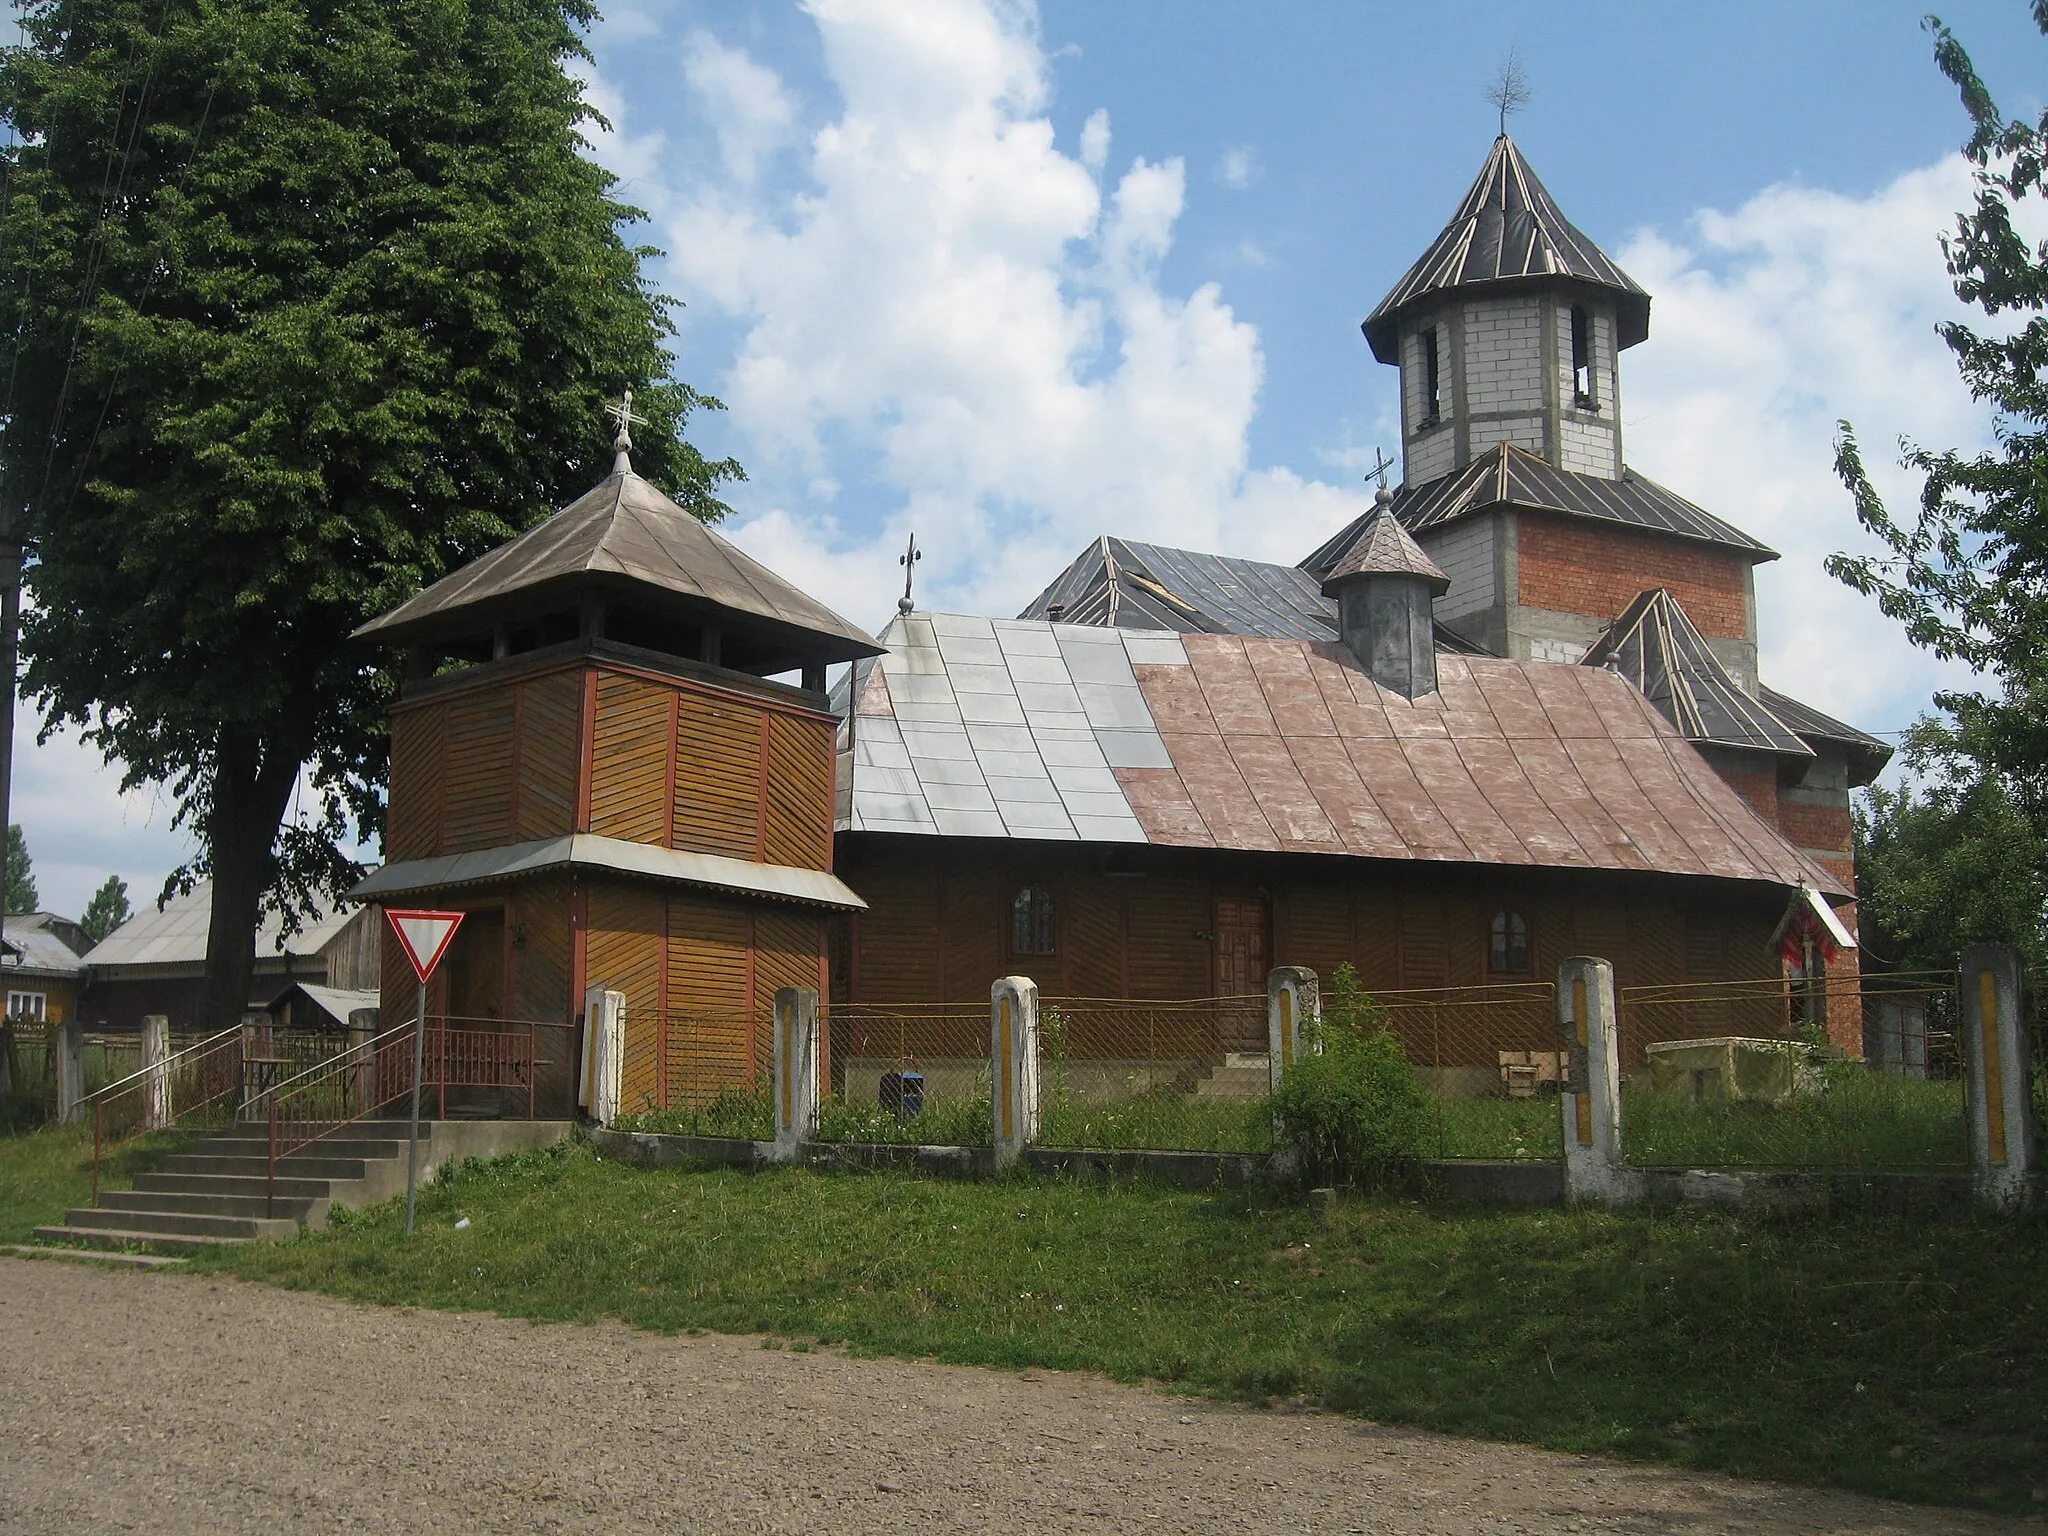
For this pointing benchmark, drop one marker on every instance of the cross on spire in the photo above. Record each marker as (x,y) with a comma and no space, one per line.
(1381,464)
(622,415)
(908,560)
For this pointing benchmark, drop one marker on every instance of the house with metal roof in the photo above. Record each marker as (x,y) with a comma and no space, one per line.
(40,966)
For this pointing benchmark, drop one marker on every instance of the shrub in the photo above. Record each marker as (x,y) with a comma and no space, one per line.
(1350,1107)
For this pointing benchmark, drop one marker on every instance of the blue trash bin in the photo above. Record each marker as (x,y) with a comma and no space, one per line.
(902,1094)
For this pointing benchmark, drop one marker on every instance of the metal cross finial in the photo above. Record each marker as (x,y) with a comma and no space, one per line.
(908,560)
(1510,88)
(1381,464)
(622,415)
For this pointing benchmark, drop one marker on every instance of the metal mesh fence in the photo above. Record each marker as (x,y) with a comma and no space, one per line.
(1742,1074)
(699,1072)
(1191,1074)
(908,1072)
(1491,1057)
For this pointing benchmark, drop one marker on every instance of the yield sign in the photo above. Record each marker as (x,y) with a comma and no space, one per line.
(424,936)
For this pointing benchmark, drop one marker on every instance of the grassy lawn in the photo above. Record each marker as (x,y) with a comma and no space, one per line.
(1896,1357)
(43,1173)
(1863,1121)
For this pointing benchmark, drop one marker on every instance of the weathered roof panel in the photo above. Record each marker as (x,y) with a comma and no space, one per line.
(1284,744)
(1508,228)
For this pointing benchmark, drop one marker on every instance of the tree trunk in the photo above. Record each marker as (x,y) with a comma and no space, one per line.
(252,784)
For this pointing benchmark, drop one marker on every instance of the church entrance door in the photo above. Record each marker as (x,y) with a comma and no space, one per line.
(1244,953)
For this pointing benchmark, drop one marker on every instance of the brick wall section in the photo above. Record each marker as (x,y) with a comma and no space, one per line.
(1578,565)
(1815,826)
(1758,786)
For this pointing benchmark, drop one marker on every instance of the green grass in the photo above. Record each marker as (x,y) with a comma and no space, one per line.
(1499,1129)
(1863,1121)
(1156,1123)
(1902,1358)
(735,1112)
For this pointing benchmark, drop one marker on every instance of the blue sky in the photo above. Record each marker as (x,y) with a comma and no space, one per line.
(1013,277)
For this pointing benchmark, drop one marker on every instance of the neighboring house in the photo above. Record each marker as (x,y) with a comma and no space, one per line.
(39,961)
(155,963)
(307,1005)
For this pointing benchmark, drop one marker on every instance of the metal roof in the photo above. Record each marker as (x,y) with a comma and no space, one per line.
(176,934)
(40,950)
(1120,584)
(1656,646)
(1013,728)
(613,855)
(1507,476)
(1507,229)
(1385,549)
(1867,754)
(622,532)
(336,1002)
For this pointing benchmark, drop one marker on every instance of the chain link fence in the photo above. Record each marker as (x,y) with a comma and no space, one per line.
(1492,1058)
(1179,1075)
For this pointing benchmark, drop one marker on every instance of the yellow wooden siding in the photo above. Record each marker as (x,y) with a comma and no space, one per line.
(477,796)
(624,949)
(712,993)
(629,765)
(550,728)
(799,792)
(718,777)
(412,817)
(541,952)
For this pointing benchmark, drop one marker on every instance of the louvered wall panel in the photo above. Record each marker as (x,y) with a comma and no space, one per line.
(785,955)
(624,954)
(412,818)
(399,997)
(715,997)
(1601,929)
(1089,922)
(629,788)
(1656,944)
(1167,956)
(799,792)
(1467,938)
(899,935)
(539,915)
(477,808)
(718,776)
(1316,929)
(550,723)
(1422,940)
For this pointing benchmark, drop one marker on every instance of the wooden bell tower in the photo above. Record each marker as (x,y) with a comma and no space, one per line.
(593,758)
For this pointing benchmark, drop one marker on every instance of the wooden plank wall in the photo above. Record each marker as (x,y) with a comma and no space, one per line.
(483,767)
(937,928)
(629,763)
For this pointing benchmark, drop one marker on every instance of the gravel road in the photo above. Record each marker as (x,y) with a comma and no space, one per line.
(174,1404)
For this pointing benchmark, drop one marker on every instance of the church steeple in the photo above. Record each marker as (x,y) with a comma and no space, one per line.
(1507,330)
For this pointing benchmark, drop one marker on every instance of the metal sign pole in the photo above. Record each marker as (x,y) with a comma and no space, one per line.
(412,1151)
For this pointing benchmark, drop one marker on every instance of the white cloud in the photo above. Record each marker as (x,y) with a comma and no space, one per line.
(957,310)
(753,115)
(1768,324)
(1239,167)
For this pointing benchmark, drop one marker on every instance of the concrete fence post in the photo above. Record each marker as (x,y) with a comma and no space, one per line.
(1997,1073)
(1013,1060)
(363,1024)
(156,1053)
(1591,1100)
(796,1071)
(1293,1001)
(604,1053)
(67,1042)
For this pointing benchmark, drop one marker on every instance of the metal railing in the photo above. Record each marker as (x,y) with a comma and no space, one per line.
(207,1076)
(514,1069)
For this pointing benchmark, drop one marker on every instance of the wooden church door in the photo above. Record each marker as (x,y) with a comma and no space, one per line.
(1243,948)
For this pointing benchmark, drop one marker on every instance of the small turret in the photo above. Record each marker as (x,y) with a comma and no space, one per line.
(1384,589)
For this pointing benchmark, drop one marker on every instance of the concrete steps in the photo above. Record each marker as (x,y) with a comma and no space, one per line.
(219,1191)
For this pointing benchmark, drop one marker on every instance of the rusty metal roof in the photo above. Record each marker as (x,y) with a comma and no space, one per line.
(1507,476)
(623,533)
(1508,229)
(1012,728)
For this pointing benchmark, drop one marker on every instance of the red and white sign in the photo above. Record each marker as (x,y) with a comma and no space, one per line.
(424,936)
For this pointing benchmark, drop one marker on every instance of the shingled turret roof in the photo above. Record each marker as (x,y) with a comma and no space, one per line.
(1385,549)
(1507,230)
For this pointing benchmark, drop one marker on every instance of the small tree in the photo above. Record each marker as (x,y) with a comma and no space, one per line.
(1350,1105)
(107,910)
(21,882)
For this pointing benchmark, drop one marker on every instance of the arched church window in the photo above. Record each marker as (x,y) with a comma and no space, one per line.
(1031,922)
(1432,378)
(1584,395)
(1508,955)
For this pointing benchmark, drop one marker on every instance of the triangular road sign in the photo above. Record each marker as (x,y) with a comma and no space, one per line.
(424,936)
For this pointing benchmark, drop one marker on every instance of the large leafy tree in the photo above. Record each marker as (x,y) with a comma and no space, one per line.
(304,302)
(1967,575)
(21,881)
(107,910)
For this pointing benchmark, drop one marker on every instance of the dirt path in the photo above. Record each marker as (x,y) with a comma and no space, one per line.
(176,1404)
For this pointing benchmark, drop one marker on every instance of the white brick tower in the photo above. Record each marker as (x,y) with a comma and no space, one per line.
(1508,330)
